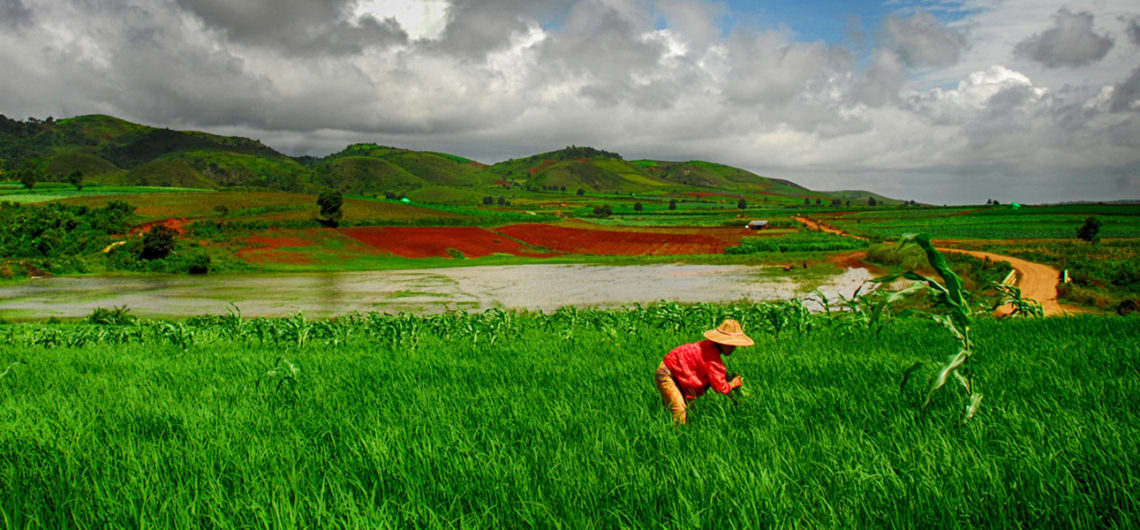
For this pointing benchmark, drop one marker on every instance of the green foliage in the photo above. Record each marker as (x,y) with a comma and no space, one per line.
(1036,222)
(952,299)
(28,178)
(510,420)
(157,243)
(57,230)
(75,178)
(801,241)
(199,263)
(330,202)
(1088,232)
(1011,295)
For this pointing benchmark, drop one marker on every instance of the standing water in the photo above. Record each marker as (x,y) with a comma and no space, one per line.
(534,287)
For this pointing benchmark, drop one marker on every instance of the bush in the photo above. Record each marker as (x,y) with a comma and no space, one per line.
(157,243)
(199,264)
(1082,296)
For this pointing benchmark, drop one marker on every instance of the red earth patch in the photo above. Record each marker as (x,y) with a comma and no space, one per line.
(178,224)
(266,248)
(428,242)
(620,243)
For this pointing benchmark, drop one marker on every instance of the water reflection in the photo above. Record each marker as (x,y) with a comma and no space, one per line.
(535,287)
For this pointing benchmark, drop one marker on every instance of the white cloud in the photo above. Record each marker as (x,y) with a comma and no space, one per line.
(493,79)
(421,19)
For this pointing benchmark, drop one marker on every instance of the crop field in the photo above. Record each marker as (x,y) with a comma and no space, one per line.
(424,242)
(990,223)
(99,194)
(259,206)
(518,419)
(629,242)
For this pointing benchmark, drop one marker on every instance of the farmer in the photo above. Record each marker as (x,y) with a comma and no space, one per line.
(690,369)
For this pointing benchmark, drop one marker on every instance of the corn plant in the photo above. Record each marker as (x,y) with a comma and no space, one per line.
(282,375)
(1011,294)
(951,296)
(176,333)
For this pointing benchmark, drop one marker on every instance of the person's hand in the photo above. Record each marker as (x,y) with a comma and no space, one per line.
(736,382)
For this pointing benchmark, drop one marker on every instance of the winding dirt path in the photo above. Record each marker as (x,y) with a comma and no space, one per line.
(1036,281)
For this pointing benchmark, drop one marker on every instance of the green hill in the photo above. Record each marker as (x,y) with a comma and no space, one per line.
(108,150)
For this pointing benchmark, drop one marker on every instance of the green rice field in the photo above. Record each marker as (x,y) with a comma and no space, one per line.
(514,420)
(997,222)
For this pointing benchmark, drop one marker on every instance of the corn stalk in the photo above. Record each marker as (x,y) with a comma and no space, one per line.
(951,296)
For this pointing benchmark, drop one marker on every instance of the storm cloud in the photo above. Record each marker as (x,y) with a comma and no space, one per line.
(921,100)
(921,41)
(1070,42)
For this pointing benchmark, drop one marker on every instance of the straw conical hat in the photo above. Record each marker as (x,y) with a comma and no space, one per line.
(729,332)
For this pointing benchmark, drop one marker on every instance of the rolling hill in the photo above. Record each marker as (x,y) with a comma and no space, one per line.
(112,151)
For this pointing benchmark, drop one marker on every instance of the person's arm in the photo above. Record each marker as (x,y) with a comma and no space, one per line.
(718,378)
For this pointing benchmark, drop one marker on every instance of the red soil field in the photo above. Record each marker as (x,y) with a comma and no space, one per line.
(174,223)
(625,242)
(265,248)
(425,242)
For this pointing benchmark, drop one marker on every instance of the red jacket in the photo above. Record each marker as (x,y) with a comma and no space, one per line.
(696,367)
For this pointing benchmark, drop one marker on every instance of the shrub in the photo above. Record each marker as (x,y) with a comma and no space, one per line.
(199,264)
(157,243)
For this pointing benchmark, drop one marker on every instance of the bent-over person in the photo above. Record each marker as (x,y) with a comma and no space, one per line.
(691,369)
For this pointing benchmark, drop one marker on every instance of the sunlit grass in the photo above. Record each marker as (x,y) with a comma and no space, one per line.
(511,420)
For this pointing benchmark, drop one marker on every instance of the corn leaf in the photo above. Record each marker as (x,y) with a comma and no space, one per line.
(945,373)
(972,408)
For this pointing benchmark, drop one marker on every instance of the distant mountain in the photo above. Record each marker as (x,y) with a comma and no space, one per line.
(108,150)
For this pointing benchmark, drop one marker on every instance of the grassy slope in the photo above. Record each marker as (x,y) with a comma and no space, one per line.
(536,426)
(111,151)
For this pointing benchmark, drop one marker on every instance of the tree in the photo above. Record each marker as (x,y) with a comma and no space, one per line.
(28,178)
(158,242)
(1088,232)
(330,202)
(502,201)
(819,202)
(871,201)
(603,211)
(672,204)
(807,201)
(581,192)
(76,179)
(637,206)
(742,204)
(488,200)
(199,264)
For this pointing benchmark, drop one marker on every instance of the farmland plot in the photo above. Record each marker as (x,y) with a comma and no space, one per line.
(513,419)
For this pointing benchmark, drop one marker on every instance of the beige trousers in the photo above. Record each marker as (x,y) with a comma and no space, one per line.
(671,395)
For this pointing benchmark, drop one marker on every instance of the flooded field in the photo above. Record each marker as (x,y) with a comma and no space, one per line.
(534,287)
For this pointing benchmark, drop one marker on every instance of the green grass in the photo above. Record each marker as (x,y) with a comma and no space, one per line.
(54,192)
(508,420)
(1046,222)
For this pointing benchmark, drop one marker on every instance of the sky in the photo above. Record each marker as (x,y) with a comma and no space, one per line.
(940,101)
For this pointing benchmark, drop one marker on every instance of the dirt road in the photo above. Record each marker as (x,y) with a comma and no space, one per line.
(1036,281)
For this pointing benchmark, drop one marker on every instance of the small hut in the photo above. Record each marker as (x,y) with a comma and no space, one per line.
(757,225)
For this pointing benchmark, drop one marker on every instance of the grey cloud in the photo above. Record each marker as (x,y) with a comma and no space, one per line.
(297,27)
(921,41)
(1126,94)
(14,14)
(1133,31)
(765,70)
(604,50)
(1070,42)
(881,83)
(477,27)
